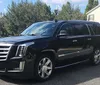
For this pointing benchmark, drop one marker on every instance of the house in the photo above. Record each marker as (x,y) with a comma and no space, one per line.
(94,14)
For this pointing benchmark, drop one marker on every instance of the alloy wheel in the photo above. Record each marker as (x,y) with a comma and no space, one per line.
(45,68)
(97,56)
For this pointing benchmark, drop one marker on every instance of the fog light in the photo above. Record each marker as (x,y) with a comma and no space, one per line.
(20,68)
(22,65)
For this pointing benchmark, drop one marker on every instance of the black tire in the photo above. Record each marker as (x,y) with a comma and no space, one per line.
(40,67)
(95,59)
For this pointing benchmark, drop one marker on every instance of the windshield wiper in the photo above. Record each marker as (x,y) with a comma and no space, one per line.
(21,35)
(32,34)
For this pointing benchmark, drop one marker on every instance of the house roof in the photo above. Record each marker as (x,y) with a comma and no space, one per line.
(93,9)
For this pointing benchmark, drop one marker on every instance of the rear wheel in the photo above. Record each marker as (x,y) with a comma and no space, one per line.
(96,57)
(44,67)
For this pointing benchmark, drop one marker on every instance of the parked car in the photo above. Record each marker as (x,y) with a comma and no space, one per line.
(48,45)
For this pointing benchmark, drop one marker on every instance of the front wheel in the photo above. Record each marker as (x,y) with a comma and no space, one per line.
(44,67)
(96,57)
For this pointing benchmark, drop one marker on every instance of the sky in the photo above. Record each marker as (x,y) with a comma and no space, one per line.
(54,4)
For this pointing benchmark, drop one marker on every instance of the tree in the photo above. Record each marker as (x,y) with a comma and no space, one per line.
(2,29)
(77,14)
(95,3)
(23,14)
(91,4)
(42,11)
(18,17)
(69,12)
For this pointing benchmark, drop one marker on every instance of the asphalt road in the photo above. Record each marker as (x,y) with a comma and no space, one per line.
(81,74)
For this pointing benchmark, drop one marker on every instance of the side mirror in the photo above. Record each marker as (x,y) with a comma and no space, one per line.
(63,33)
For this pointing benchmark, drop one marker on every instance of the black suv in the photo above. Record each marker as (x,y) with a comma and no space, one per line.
(45,46)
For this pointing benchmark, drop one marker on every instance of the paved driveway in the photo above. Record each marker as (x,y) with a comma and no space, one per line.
(81,74)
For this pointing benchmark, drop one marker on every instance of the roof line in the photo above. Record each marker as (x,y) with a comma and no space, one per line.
(93,9)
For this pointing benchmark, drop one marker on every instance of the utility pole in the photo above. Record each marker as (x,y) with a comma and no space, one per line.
(56,13)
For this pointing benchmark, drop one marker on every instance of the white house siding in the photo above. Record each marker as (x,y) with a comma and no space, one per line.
(96,14)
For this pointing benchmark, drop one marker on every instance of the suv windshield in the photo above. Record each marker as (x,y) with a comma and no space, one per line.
(40,28)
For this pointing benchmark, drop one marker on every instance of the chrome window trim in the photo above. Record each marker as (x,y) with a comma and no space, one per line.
(89,50)
(62,55)
(71,64)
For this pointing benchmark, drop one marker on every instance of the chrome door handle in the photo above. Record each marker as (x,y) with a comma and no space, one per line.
(89,39)
(74,40)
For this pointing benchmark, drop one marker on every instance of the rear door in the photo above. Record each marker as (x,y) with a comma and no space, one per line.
(82,34)
(93,39)
(70,46)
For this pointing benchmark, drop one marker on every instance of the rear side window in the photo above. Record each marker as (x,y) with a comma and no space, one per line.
(92,28)
(95,28)
(98,29)
(80,29)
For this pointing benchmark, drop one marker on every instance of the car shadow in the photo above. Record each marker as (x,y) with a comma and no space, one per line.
(71,75)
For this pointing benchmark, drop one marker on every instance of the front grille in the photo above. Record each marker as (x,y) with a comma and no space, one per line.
(4,51)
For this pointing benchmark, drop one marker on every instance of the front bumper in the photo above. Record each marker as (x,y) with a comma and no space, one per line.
(17,68)
(12,66)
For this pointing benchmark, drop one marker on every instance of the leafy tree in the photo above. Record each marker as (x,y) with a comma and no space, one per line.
(68,12)
(23,14)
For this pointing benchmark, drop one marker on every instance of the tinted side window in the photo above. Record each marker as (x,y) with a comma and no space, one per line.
(98,29)
(95,28)
(67,28)
(92,28)
(80,29)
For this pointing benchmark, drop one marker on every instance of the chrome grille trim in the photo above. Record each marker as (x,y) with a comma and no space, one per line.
(4,51)
(4,48)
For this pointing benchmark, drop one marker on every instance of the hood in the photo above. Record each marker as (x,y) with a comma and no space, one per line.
(19,39)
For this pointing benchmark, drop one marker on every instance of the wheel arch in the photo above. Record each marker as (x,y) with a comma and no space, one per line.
(51,52)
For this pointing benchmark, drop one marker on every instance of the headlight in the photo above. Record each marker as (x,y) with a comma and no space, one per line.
(21,50)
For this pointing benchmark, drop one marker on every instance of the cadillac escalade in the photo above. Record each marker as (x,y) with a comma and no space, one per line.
(45,46)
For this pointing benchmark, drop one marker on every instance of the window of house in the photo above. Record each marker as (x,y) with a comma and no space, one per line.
(91,17)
